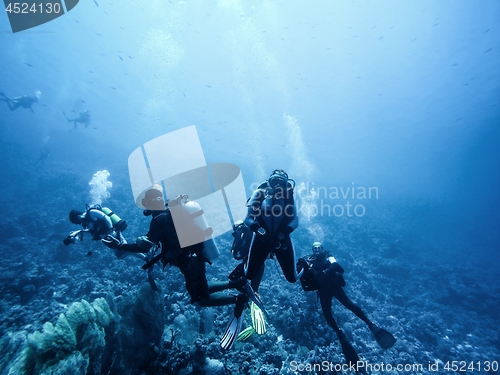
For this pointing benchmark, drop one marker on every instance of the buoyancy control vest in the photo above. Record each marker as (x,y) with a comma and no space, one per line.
(98,223)
(101,221)
(272,208)
(320,271)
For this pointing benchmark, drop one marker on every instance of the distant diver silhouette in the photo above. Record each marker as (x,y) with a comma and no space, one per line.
(83,118)
(24,101)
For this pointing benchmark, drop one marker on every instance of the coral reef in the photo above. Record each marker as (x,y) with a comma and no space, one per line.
(438,311)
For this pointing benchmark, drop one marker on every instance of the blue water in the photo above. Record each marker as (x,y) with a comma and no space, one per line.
(400,97)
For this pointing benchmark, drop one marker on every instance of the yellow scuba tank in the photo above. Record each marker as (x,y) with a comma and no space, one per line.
(118,223)
(192,227)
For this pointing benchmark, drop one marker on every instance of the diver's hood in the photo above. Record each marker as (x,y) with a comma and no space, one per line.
(278,178)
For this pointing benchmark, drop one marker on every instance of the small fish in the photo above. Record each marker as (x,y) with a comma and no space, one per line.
(184,94)
(120,58)
(111,87)
(95,2)
(209,86)
(90,71)
(488,50)
(130,57)
(29,65)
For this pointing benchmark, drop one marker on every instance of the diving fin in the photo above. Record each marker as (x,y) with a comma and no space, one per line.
(151,280)
(246,333)
(349,353)
(231,333)
(383,337)
(234,326)
(258,320)
(249,292)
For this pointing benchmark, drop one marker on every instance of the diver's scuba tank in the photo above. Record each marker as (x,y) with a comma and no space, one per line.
(192,227)
(118,223)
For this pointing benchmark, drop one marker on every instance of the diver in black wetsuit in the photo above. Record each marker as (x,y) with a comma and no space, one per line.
(324,274)
(272,217)
(266,232)
(24,101)
(188,259)
(83,118)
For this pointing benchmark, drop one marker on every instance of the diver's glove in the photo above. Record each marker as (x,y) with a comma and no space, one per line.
(69,240)
(144,243)
(329,271)
(73,237)
(301,264)
(111,242)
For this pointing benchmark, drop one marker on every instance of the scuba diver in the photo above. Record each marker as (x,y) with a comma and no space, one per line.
(190,261)
(83,118)
(271,218)
(101,223)
(24,101)
(324,274)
